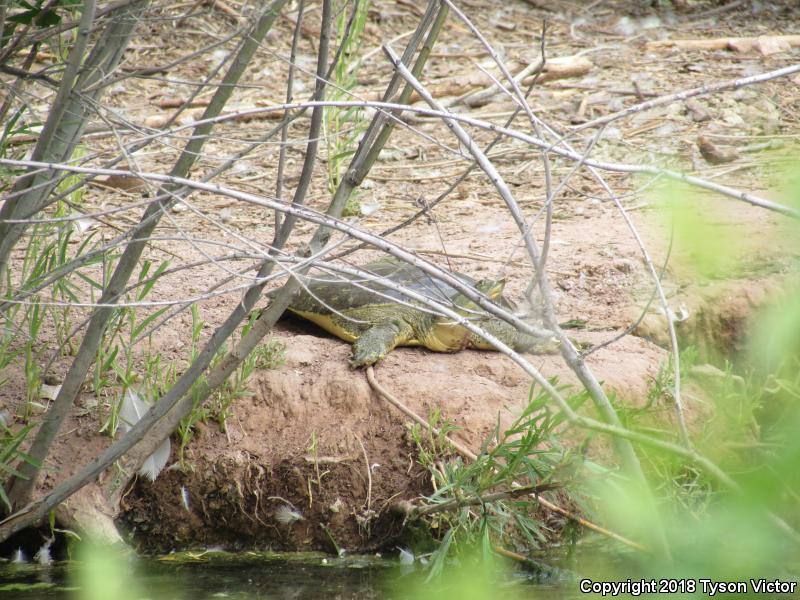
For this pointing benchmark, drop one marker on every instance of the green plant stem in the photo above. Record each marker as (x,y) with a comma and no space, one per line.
(415,512)
(286,121)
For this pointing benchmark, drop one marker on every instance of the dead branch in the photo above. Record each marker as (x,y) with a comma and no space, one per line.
(764,44)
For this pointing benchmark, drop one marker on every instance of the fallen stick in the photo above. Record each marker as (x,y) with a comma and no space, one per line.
(480,84)
(765,44)
(223,7)
(175,102)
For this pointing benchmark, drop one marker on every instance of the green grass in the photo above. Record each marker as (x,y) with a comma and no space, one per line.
(10,455)
(269,355)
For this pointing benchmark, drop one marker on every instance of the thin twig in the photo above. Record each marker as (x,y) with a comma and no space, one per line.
(731,84)
(368,503)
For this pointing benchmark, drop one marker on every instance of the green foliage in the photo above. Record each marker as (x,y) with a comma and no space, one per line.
(787,179)
(104,572)
(39,14)
(528,453)
(13,126)
(269,355)
(199,412)
(704,245)
(662,389)
(477,575)
(10,454)
(49,248)
(749,429)
(431,446)
(125,330)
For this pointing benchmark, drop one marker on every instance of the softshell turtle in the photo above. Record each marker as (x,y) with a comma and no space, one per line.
(370,316)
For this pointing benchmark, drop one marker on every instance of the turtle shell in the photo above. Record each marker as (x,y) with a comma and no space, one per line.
(345,292)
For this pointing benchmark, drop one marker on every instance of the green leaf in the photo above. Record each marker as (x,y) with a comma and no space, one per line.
(146,321)
(89,280)
(5,498)
(23,18)
(152,281)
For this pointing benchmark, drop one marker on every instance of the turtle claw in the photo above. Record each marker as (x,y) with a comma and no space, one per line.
(363,358)
(377,341)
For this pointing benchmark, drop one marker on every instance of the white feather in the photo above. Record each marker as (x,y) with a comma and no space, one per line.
(406,557)
(133,408)
(185,497)
(286,516)
(43,555)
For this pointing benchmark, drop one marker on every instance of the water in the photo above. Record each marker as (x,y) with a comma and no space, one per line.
(245,576)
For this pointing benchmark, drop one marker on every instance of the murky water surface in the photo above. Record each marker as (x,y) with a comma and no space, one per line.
(255,576)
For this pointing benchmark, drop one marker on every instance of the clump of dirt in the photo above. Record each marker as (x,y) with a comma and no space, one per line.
(715,319)
(315,439)
(715,309)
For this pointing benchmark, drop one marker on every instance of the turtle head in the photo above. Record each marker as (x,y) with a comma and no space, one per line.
(491,288)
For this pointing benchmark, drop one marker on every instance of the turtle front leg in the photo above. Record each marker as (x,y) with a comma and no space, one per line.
(377,341)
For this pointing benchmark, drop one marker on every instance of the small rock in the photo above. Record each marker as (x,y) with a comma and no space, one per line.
(299,356)
(698,111)
(714,154)
(624,265)
(226,215)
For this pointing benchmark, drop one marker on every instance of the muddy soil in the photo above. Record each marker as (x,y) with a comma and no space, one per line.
(313,438)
